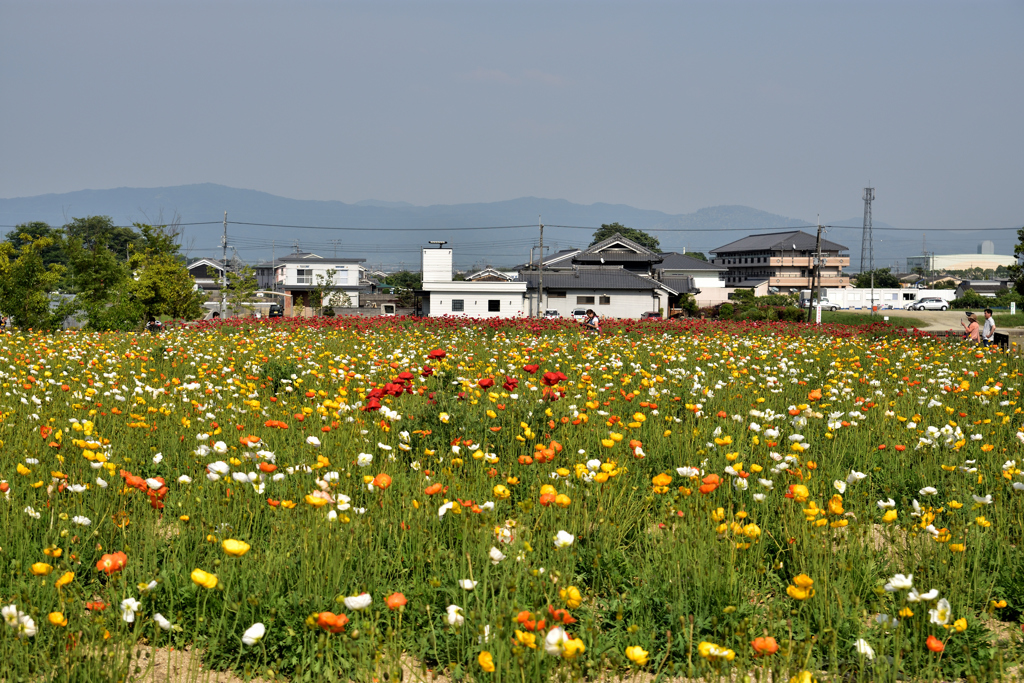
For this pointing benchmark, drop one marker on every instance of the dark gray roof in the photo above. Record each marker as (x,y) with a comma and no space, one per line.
(676,261)
(560,257)
(681,285)
(631,252)
(591,278)
(781,241)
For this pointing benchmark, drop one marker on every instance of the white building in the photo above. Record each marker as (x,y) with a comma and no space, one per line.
(946,262)
(298,275)
(441,295)
(707,279)
(856,298)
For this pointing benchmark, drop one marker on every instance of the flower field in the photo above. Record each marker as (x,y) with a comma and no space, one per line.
(511,500)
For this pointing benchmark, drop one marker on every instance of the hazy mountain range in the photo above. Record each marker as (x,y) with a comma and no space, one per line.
(391,233)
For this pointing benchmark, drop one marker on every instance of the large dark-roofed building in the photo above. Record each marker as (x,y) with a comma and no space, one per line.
(784,259)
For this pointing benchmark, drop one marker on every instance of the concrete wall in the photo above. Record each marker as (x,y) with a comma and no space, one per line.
(623,304)
(436,265)
(474,304)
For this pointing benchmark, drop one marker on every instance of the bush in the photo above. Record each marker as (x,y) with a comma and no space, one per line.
(725,312)
(971,299)
(751,314)
(792,314)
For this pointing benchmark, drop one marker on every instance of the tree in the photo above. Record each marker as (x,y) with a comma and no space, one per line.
(404,283)
(101,229)
(36,230)
(28,285)
(162,284)
(639,236)
(241,291)
(883,279)
(699,255)
(325,296)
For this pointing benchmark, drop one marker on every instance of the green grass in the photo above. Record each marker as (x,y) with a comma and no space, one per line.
(865,318)
(1005,320)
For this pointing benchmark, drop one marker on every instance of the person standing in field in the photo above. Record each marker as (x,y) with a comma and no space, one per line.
(591,321)
(972,330)
(988,332)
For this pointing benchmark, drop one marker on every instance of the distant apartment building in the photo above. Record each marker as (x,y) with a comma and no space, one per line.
(785,261)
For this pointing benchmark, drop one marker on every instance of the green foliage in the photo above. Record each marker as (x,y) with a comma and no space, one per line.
(639,236)
(884,279)
(970,299)
(241,290)
(689,304)
(725,312)
(699,255)
(162,284)
(751,314)
(94,231)
(405,282)
(278,370)
(53,253)
(28,285)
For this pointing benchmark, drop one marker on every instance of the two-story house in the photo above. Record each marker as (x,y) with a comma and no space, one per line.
(301,273)
(785,261)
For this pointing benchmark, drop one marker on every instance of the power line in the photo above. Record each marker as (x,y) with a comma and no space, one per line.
(321,227)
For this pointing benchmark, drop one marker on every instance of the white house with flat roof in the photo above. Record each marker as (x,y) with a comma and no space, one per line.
(440,295)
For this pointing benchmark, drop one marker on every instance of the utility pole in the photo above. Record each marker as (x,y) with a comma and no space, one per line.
(867,246)
(224,265)
(817,269)
(540,283)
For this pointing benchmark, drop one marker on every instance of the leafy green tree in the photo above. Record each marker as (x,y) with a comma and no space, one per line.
(162,284)
(36,230)
(699,255)
(405,282)
(883,279)
(639,236)
(28,286)
(241,291)
(324,296)
(95,230)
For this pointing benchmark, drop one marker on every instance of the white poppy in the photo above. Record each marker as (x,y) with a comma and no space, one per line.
(455,617)
(864,649)
(254,634)
(162,621)
(129,608)
(496,555)
(900,583)
(358,602)
(564,539)
(467,584)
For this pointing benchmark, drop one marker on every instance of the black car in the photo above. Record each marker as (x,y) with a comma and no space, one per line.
(276,311)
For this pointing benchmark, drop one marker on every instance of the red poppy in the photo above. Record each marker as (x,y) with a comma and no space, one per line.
(900,448)
(934,644)
(485,383)
(532,369)
(395,601)
(96,606)
(437,353)
(432,489)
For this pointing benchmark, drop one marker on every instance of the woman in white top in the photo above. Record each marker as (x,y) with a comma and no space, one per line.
(591,321)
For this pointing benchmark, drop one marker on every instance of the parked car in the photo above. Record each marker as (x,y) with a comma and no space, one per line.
(825,304)
(929,303)
(551,313)
(650,315)
(276,311)
(579,314)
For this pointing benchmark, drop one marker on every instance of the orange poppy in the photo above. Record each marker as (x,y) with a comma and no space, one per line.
(112,562)
(382,481)
(331,622)
(395,601)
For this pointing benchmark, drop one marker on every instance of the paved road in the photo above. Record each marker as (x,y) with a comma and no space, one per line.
(934,320)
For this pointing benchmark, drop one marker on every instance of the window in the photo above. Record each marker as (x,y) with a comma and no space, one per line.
(493,306)
(303,276)
(556,295)
(605,301)
(458,305)
(583,300)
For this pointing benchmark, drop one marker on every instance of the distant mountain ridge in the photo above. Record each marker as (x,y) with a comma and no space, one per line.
(403,227)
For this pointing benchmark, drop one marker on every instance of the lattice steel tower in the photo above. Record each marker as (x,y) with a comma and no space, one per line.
(867,246)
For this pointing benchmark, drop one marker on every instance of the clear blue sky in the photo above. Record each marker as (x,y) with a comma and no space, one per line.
(787,107)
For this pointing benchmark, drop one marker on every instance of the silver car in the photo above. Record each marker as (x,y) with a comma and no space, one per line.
(931,303)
